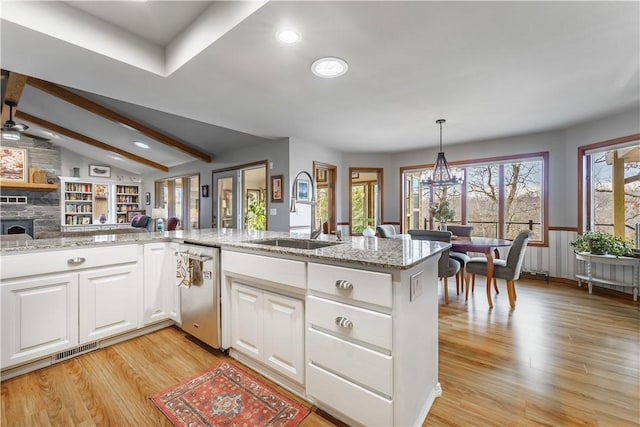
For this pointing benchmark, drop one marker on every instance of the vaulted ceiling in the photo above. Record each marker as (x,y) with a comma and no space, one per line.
(212,76)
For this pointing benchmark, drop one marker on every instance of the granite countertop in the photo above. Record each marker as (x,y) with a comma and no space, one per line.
(387,253)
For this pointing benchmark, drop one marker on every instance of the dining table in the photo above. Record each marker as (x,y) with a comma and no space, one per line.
(484,245)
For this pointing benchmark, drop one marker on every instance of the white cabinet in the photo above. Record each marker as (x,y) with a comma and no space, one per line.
(39,317)
(53,301)
(161,295)
(350,342)
(108,302)
(269,328)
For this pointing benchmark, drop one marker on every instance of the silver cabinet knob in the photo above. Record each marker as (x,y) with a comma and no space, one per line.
(344,284)
(76,261)
(343,322)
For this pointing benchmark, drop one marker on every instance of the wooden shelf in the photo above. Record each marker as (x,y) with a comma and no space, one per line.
(28,185)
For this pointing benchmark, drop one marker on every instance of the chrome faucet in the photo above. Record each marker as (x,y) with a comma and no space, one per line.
(311,202)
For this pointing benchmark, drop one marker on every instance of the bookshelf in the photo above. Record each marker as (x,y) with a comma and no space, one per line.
(77,208)
(127,198)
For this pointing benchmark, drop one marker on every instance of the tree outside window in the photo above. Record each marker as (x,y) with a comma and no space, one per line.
(612,194)
(499,197)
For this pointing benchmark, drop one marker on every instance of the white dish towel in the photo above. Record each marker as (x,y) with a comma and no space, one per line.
(188,270)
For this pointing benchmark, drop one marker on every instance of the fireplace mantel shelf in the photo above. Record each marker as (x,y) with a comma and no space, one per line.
(28,185)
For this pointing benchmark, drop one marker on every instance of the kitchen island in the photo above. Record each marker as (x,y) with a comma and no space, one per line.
(351,327)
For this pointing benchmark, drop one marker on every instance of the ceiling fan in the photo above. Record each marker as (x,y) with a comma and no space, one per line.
(10,125)
(12,130)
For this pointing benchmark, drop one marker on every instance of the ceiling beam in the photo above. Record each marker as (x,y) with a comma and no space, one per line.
(88,140)
(15,84)
(99,110)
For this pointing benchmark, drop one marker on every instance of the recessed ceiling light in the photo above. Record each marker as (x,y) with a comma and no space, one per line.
(288,36)
(116,157)
(329,67)
(141,144)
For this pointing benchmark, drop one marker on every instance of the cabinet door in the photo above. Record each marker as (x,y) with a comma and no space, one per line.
(39,317)
(283,330)
(161,294)
(246,320)
(108,301)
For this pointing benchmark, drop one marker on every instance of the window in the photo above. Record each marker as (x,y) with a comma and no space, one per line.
(181,199)
(499,197)
(610,179)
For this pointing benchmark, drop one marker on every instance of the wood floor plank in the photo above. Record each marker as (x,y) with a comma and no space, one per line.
(561,358)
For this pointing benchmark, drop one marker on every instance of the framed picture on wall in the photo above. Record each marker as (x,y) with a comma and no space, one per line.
(101,171)
(13,164)
(277,183)
(302,190)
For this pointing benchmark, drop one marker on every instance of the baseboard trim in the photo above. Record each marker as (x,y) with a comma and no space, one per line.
(45,361)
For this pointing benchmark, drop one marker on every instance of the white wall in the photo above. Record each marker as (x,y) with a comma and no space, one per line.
(70,160)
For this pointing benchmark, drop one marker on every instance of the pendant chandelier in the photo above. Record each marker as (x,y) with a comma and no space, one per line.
(442,175)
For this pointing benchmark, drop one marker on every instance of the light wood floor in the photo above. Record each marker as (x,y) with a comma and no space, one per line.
(561,358)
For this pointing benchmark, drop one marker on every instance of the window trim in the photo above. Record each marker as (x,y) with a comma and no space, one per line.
(544,155)
(582,152)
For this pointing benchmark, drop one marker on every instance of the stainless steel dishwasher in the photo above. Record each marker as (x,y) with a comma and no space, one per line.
(200,304)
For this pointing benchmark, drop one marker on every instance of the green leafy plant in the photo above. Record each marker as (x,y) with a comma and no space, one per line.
(256,218)
(442,212)
(598,242)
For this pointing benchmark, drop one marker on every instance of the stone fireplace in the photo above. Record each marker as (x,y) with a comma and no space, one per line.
(17,226)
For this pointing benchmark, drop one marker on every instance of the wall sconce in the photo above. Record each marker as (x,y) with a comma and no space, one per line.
(205,191)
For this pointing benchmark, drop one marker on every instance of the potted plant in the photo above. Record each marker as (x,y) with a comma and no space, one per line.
(600,243)
(443,213)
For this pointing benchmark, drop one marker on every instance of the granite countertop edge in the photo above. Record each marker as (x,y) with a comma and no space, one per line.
(398,254)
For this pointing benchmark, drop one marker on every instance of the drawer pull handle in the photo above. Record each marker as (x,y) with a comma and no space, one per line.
(343,322)
(344,284)
(76,261)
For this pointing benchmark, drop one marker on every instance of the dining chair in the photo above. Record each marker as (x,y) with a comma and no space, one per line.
(462,278)
(460,230)
(447,266)
(506,269)
(386,230)
(172,223)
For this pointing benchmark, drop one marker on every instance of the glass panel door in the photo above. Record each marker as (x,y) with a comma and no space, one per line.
(225,206)
(365,198)
(325,177)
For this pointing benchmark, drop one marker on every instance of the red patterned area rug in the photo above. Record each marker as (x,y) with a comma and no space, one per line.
(225,395)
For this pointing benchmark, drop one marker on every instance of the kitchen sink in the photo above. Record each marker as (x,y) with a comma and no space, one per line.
(294,243)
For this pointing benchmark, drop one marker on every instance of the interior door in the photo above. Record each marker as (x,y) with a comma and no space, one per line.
(325,177)
(365,185)
(226,209)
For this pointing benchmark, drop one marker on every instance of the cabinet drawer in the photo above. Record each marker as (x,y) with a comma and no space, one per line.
(359,404)
(31,264)
(366,325)
(358,285)
(357,363)
(278,270)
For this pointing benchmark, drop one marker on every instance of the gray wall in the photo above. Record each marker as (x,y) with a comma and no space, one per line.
(302,154)
(275,152)
(562,146)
